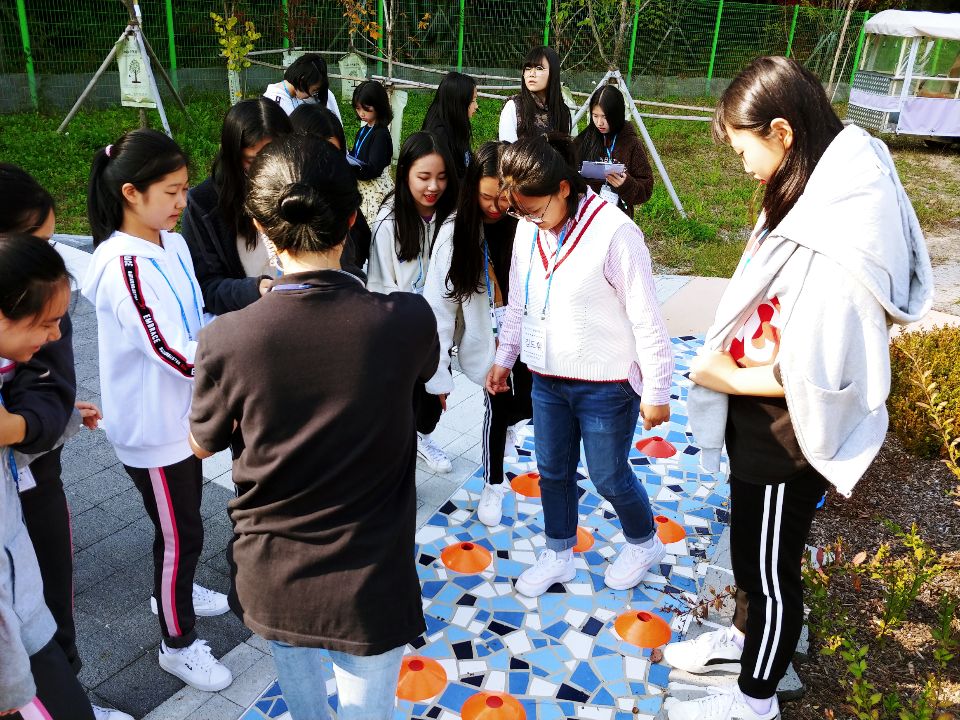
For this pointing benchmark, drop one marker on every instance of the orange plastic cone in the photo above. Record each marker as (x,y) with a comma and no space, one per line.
(420,678)
(527,484)
(656,447)
(489,705)
(669,531)
(466,557)
(584,540)
(643,628)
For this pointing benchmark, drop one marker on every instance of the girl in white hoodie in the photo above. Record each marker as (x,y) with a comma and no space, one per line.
(795,369)
(468,277)
(149,312)
(408,227)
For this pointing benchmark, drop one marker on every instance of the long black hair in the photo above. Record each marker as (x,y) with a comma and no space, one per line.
(591,144)
(449,110)
(778,87)
(373,95)
(466,261)
(24,203)
(557,113)
(245,124)
(408,225)
(303,192)
(306,71)
(139,157)
(319,121)
(536,166)
(32,273)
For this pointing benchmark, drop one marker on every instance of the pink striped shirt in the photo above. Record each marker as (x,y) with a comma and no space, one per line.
(627,269)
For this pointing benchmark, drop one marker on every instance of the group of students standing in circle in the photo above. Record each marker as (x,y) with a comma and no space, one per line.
(306,319)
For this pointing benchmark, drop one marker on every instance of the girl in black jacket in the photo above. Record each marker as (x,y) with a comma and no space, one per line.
(230,262)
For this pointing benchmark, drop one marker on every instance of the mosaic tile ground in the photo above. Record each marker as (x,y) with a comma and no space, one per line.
(559,654)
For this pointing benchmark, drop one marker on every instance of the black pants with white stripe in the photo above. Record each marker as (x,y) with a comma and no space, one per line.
(171,497)
(769,525)
(500,412)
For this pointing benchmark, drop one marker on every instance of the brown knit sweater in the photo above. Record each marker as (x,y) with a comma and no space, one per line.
(629,150)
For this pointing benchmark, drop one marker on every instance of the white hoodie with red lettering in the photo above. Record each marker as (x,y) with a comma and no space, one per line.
(149,314)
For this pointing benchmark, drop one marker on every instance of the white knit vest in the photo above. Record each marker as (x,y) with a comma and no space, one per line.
(588,333)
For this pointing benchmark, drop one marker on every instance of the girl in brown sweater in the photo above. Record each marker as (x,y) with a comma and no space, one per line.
(609,138)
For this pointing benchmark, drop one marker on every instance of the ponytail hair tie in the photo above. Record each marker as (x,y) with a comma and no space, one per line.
(107,150)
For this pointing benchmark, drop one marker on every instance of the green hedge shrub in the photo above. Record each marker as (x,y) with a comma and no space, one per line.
(938,351)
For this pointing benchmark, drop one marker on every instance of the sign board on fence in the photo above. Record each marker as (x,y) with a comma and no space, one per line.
(289,56)
(134,81)
(398,101)
(351,65)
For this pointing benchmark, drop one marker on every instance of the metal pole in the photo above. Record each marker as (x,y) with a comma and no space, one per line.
(856,55)
(713,49)
(286,23)
(546,23)
(633,40)
(172,45)
(28,54)
(793,29)
(460,37)
(83,96)
(380,39)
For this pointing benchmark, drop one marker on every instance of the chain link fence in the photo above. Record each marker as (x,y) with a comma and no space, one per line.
(49,49)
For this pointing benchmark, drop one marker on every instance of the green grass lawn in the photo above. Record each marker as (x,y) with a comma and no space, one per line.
(708,178)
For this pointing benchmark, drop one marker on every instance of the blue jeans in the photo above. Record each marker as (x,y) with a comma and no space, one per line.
(604,415)
(366,684)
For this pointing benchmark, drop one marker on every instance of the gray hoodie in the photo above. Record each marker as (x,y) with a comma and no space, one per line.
(847,261)
(25,623)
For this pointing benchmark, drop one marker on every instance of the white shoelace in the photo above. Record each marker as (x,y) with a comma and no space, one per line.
(429,448)
(493,494)
(630,556)
(198,656)
(546,562)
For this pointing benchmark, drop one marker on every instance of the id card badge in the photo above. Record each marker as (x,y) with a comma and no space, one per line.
(608,194)
(26,481)
(533,344)
(418,290)
(498,316)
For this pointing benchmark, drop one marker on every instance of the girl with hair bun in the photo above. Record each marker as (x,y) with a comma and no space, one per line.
(311,388)
(584,309)
(149,313)
(610,137)
(795,370)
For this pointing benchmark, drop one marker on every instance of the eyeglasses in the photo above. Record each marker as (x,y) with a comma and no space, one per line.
(316,97)
(520,215)
(534,69)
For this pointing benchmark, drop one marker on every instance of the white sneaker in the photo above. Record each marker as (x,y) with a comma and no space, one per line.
(206,603)
(711,651)
(432,455)
(550,568)
(490,507)
(720,703)
(196,666)
(102,713)
(632,564)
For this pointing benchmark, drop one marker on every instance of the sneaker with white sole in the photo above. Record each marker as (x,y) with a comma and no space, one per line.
(632,564)
(432,455)
(720,703)
(206,603)
(490,507)
(512,443)
(196,666)
(712,651)
(550,568)
(102,713)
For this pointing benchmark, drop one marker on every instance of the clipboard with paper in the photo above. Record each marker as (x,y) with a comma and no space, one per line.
(600,170)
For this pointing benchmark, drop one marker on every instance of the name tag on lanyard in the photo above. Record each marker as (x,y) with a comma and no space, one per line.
(27,481)
(533,344)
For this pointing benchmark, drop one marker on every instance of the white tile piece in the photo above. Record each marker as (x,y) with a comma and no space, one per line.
(496,681)
(635,668)
(580,644)
(518,642)
(541,688)
(575,618)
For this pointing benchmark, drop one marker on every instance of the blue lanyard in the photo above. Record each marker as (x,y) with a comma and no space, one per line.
(609,150)
(12,463)
(361,140)
(183,314)
(419,274)
(490,294)
(756,246)
(553,269)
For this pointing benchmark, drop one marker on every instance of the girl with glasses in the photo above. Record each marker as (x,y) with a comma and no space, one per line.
(539,106)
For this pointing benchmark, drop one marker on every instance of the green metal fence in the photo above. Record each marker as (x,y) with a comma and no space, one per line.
(50,48)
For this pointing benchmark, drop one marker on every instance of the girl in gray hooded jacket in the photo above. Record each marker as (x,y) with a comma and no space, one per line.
(794,373)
